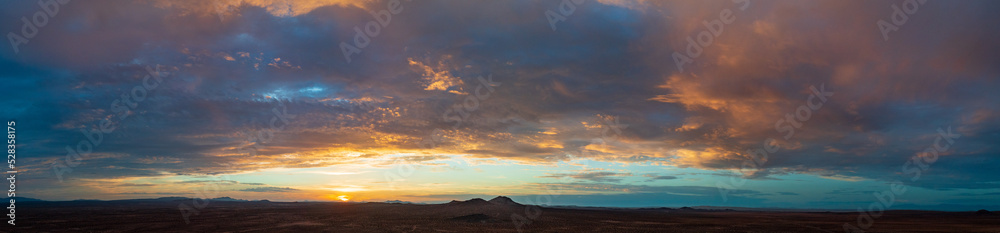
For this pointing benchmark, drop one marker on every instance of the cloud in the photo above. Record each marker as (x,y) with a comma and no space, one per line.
(441,80)
(233,64)
(268,189)
(654,177)
(595,176)
(283,8)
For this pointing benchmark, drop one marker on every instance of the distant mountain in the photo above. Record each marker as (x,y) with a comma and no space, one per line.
(477,210)
(26,199)
(769,209)
(160,199)
(499,200)
(502,200)
(470,202)
(175,199)
(226,199)
(946,207)
(398,202)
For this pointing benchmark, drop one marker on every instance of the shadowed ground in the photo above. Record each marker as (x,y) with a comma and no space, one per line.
(474,215)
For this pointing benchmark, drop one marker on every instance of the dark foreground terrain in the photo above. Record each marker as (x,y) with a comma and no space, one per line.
(477,215)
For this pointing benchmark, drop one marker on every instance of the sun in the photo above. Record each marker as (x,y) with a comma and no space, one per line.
(344,198)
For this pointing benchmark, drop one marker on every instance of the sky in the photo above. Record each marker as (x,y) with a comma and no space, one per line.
(777,104)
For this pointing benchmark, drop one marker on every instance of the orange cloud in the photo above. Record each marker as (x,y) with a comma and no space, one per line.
(283,8)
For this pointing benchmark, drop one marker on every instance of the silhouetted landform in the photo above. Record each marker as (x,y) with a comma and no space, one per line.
(25,199)
(397,202)
(502,200)
(161,199)
(500,214)
(470,202)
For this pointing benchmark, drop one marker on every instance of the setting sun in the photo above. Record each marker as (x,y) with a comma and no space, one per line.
(344,198)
